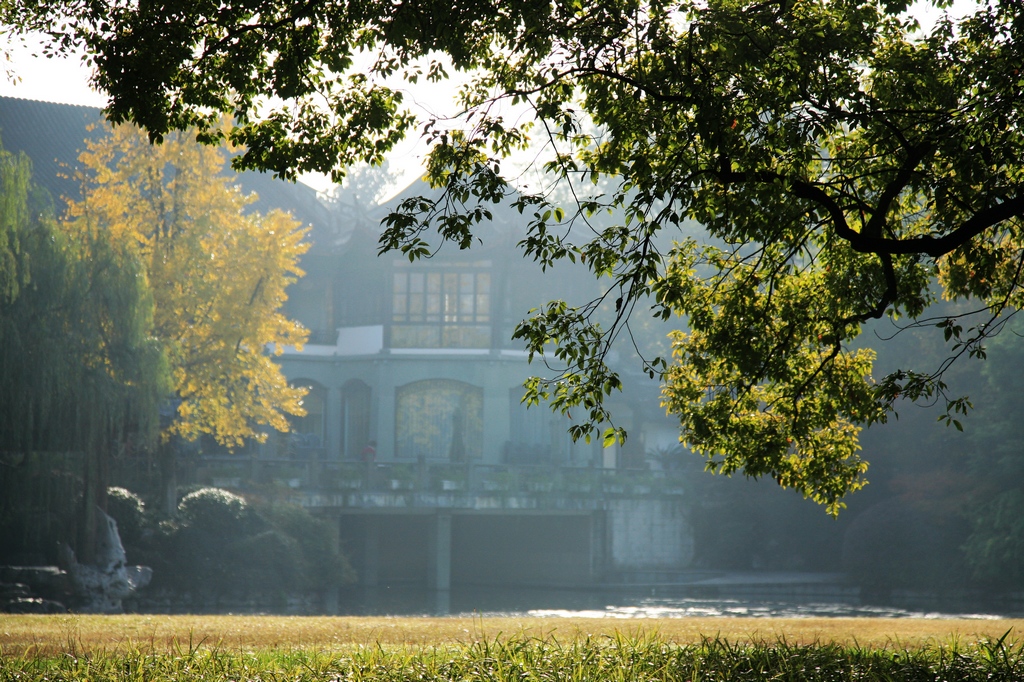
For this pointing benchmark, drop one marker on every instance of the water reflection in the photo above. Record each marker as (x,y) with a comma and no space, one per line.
(634,604)
(701,608)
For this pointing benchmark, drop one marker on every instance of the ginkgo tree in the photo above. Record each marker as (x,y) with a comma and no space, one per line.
(841,159)
(217,274)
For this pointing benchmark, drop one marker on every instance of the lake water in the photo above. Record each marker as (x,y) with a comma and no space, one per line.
(639,604)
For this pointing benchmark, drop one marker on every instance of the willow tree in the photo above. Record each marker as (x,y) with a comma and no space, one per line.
(840,159)
(217,273)
(79,369)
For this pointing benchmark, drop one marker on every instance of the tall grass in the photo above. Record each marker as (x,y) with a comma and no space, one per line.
(613,658)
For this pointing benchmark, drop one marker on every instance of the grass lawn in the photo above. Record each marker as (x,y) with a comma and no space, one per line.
(276,649)
(41,636)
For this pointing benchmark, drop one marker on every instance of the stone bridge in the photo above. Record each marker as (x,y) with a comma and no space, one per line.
(443,523)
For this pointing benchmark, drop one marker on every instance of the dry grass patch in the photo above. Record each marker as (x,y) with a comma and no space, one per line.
(46,635)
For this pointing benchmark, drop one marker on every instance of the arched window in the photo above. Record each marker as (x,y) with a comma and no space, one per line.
(530,432)
(439,419)
(355,418)
(308,431)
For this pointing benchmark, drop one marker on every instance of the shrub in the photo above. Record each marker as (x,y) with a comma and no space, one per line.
(267,562)
(896,544)
(220,545)
(995,550)
(215,510)
(129,511)
(322,565)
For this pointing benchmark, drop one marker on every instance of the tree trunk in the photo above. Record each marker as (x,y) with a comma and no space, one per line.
(168,479)
(94,498)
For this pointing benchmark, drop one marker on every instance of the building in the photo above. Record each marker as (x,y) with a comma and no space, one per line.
(415,388)
(418,357)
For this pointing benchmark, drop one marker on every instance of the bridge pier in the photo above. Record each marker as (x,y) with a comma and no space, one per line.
(433,538)
(371,552)
(598,546)
(439,552)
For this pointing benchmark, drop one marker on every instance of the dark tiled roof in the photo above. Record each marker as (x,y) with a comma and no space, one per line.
(53,135)
(294,197)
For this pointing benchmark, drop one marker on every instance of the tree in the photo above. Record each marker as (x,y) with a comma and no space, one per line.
(218,277)
(995,548)
(840,161)
(79,371)
(365,186)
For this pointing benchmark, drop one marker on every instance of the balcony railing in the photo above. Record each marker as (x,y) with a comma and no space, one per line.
(399,477)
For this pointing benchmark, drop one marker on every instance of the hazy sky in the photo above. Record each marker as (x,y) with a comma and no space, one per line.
(66,81)
(49,80)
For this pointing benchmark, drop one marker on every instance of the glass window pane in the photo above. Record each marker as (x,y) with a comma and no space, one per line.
(415,336)
(451,283)
(415,282)
(416,307)
(465,336)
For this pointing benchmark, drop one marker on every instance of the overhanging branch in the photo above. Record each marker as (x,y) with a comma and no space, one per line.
(934,246)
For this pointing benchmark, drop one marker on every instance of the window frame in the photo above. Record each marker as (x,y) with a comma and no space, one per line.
(450,307)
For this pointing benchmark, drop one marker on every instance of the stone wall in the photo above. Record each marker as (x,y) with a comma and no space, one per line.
(647,534)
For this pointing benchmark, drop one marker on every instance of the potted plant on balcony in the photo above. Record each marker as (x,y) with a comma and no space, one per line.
(449,478)
(499,481)
(539,480)
(402,477)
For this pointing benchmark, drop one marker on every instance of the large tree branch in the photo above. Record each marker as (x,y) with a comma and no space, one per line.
(584,71)
(894,188)
(934,246)
(941,245)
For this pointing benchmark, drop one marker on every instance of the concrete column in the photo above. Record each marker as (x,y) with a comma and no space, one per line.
(439,548)
(332,424)
(495,416)
(598,546)
(370,574)
(442,603)
(386,424)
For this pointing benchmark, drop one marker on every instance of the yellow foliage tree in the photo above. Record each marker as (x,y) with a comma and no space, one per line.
(218,275)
